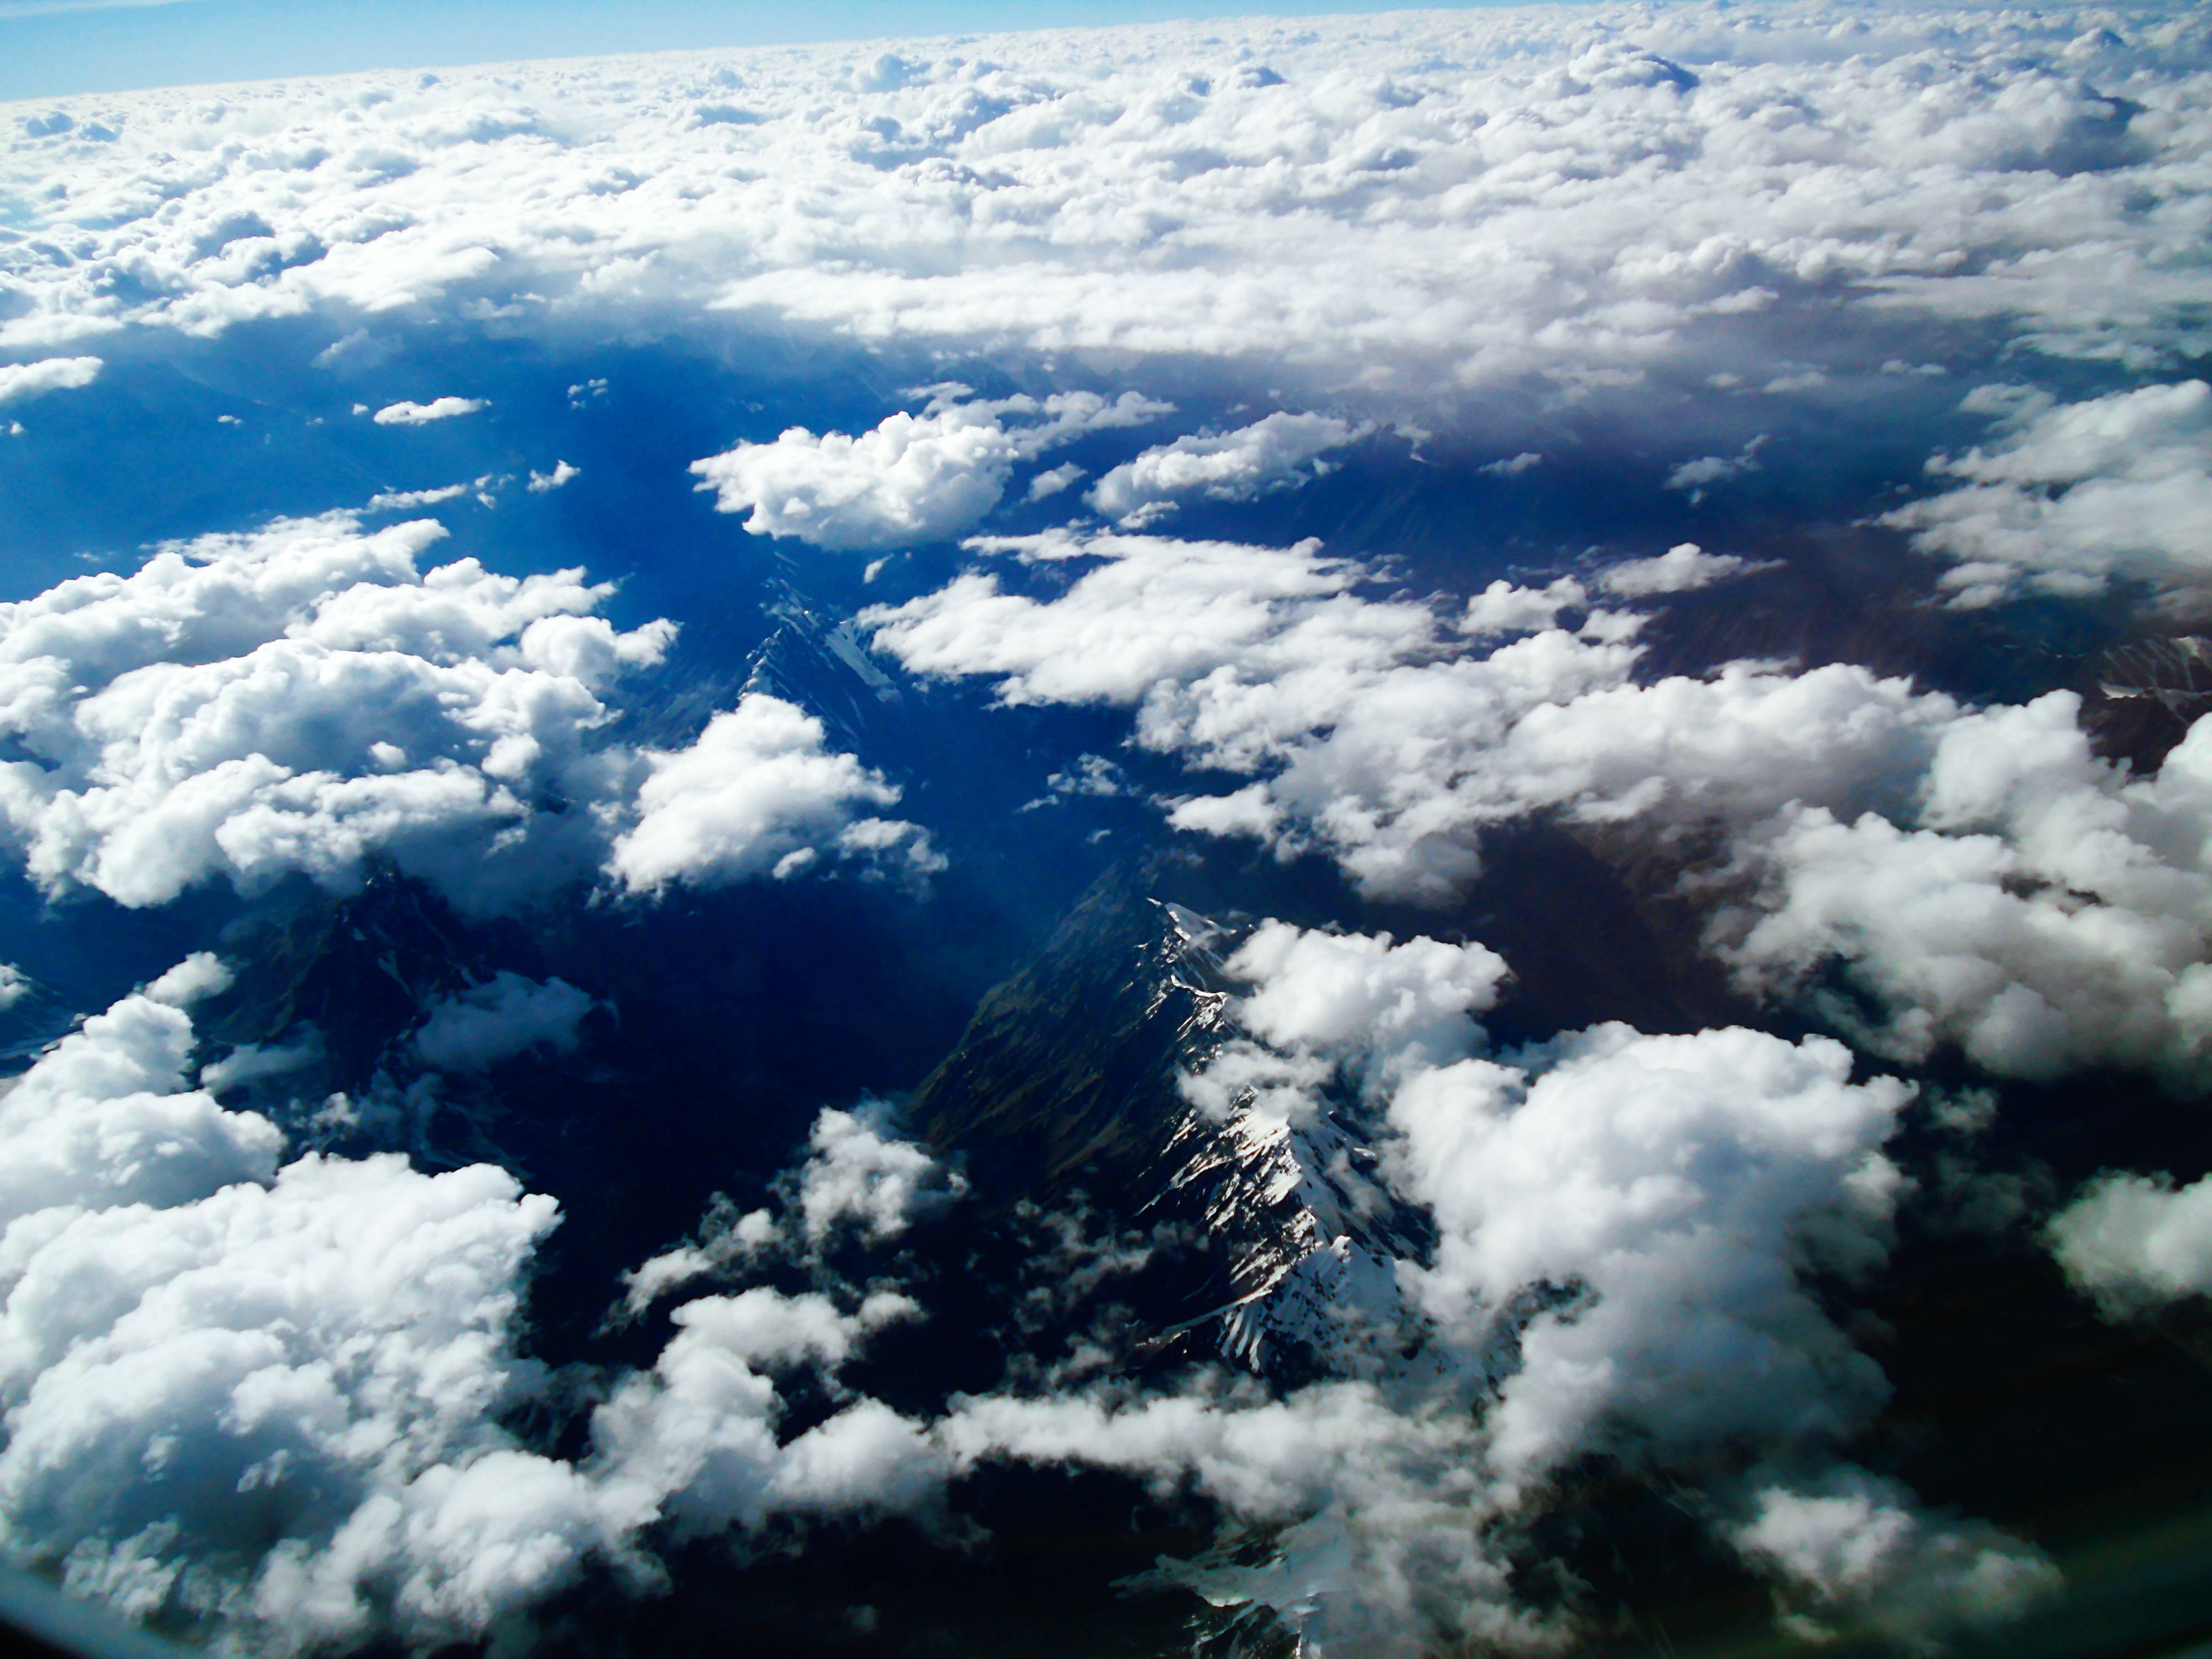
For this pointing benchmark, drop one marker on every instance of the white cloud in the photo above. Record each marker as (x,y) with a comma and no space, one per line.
(1694,475)
(2133,1242)
(105,1118)
(298,698)
(1682,569)
(912,479)
(438,409)
(1681,1180)
(1405,1005)
(859,1175)
(201,974)
(726,1238)
(1981,879)
(1231,466)
(542,483)
(1377,735)
(1052,480)
(757,794)
(1512,467)
(20,381)
(2075,494)
(694,1439)
(506,1016)
(2039,907)
(14,985)
(185,1323)
(1385,207)
(1503,607)
(266,1401)
(401,500)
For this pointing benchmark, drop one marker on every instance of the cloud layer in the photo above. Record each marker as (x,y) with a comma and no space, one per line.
(307,697)
(1982,878)
(1458,199)
(267,1400)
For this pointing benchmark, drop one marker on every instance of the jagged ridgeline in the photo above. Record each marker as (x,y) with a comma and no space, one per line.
(1067,1087)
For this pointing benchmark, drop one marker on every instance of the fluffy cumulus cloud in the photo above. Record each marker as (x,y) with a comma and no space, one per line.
(758,794)
(2041,907)
(2070,495)
(1469,198)
(1980,877)
(2133,1242)
(268,1399)
(859,1175)
(1678,1185)
(212,1361)
(1275,453)
(1377,732)
(307,697)
(1682,569)
(300,699)
(24,380)
(438,409)
(912,479)
(1856,1553)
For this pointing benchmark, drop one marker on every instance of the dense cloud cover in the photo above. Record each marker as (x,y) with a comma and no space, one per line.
(305,697)
(1585,193)
(272,1396)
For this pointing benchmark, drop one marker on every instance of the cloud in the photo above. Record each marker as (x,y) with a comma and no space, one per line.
(1505,608)
(2039,907)
(22,381)
(1052,480)
(694,1440)
(726,1239)
(859,1175)
(1976,877)
(912,479)
(1405,1005)
(1384,211)
(2074,495)
(1376,733)
(1694,475)
(543,482)
(14,985)
(757,794)
(1232,466)
(1858,1554)
(1512,467)
(103,1119)
(267,1401)
(438,409)
(401,500)
(506,1016)
(1682,569)
(1679,1181)
(1379,1534)
(1627,1230)
(301,698)
(2133,1242)
(185,1323)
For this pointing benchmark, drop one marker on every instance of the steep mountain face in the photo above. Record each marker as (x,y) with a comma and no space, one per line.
(1067,1087)
(2146,695)
(817,659)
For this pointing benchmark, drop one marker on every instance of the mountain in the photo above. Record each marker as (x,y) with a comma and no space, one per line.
(1065,1089)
